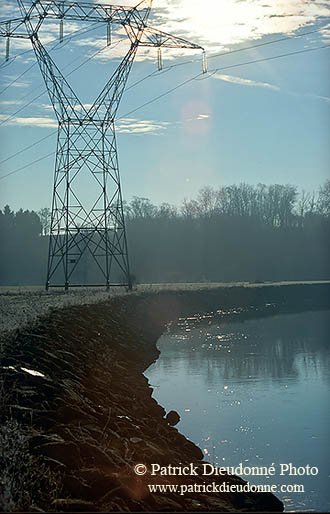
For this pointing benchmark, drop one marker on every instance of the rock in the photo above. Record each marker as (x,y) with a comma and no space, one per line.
(193,450)
(157,450)
(183,445)
(172,418)
(267,502)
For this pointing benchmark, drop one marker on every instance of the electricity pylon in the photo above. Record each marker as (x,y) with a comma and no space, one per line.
(86,157)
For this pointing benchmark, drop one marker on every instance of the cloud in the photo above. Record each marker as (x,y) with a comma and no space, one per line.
(119,47)
(76,107)
(244,82)
(135,126)
(318,97)
(9,9)
(223,24)
(8,80)
(41,122)
(248,82)
(125,126)
(229,22)
(325,98)
(217,26)
(16,46)
(11,102)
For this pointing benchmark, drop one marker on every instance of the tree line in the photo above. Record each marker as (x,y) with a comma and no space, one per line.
(239,232)
(275,205)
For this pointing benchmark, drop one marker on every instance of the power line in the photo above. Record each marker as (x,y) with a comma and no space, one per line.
(201,74)
(251,47)
(92,56)
(156,72)
(57,42)
(27,165)
(271,58)
(44,91)
(29,147)
(82,31)
(223,54)
(53,132)
(79,32)
(72,71)
(210,74)
(265,43)
(23,107)
(17,78)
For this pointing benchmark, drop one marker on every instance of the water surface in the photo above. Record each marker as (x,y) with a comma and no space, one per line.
(253,391)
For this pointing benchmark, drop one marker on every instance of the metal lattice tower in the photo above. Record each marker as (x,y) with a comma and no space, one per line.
(86,157)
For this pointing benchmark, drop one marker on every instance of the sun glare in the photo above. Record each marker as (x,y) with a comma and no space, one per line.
(225,22)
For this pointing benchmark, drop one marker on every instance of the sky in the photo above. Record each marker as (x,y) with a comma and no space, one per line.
(260,114)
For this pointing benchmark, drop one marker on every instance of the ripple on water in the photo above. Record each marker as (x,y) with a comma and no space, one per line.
(246,392)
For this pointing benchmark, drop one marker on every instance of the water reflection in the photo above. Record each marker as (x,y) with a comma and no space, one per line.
(237,350)
(253,391)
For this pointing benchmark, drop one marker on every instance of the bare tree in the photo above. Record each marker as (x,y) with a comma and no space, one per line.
(189,208)
(208,201)
(323,204)
(167,211)
(45,216)
(141,207)
(306,206)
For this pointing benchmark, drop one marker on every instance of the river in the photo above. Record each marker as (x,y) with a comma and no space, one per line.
(254,391)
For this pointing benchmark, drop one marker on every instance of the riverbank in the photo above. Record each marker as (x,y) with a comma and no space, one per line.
(78,415)
(23,305)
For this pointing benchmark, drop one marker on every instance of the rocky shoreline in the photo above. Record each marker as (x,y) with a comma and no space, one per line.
(77,413)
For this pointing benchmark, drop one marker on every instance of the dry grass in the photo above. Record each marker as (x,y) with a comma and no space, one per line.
(26,483)
(23,305)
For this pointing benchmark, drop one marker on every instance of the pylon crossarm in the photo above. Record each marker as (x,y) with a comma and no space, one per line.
(132,18)
(83,11)
(71,11)
(117,81)
(63,98)
(13,28)
(155,37)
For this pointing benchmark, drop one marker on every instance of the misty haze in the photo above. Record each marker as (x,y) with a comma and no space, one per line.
(164,256)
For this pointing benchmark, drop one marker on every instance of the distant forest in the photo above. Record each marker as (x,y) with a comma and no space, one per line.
(234,233)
